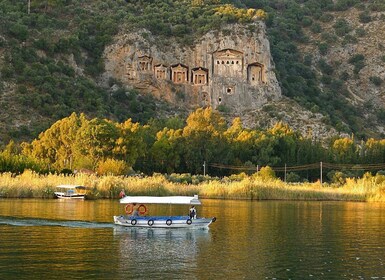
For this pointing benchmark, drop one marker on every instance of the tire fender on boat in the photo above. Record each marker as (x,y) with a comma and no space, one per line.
(214,219)
(189,221)
(169,222)
(129,208)
(150,222)
(133,222)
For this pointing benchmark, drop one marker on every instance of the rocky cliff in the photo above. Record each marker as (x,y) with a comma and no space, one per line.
(231,68)
(352,43)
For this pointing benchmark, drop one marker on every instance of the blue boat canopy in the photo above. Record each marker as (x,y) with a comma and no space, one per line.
(188,200)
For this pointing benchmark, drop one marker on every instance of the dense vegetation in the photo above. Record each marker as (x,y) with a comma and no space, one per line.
(201,143)
(52,53)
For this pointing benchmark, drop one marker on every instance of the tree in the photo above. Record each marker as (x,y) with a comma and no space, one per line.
(344,150)
(55,146)
(129,145)
(95,140)
(240,142)
(285,145)
(166,151)
(203,138)
(112,167)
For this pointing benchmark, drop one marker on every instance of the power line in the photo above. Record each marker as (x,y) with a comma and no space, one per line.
(310,166)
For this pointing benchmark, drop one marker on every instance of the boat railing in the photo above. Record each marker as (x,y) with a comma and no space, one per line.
(157,218)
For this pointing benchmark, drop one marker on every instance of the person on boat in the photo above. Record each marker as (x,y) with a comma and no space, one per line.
(193,212)
(135,213)
(122,194)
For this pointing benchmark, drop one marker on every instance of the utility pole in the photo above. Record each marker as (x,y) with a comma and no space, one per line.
(204,168)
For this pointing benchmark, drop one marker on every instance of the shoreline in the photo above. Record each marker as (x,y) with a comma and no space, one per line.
(241,187)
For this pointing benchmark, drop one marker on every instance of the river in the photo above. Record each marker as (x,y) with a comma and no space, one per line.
(55,239)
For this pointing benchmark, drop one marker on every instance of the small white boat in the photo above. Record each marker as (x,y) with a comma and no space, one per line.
(132,220)
(70,192)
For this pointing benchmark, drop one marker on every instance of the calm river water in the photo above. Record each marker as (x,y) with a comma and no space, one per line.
(54,239)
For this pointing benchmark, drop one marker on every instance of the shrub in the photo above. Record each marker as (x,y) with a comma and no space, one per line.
(365,17)
(344,76)
(358,62)
(306,21)
(323,48)
(360,32)
(342,27)
(112,167)
(316,28)
(329,37)
(326,17)
(356,58)
(337,177)
(292,177)
(222,108)
(19,31)
(184,178)
(325,67)
(266,173)
(377,81)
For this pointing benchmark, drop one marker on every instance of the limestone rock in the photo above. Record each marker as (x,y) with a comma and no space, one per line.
(231,68)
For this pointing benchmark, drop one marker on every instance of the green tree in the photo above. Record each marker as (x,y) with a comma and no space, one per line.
(112,167)
(129,145)
(166,151)
(95,140)
(344,150)
(240,142)
(286,142)
(55,146)
(203,138)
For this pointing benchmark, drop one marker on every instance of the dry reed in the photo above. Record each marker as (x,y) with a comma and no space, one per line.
(32,185)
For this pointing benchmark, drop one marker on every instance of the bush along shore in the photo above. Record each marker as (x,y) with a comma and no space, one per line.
(261,186)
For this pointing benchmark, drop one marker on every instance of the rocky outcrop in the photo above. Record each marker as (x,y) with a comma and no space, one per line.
(231,68)
(365,86)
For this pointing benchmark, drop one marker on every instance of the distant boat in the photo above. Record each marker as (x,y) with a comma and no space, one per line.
(70,192)
(133,219)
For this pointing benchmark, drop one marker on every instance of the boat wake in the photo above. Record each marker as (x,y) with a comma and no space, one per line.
(25,222)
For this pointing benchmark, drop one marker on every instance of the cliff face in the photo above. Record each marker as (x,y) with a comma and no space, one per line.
(357,59)
(232,68)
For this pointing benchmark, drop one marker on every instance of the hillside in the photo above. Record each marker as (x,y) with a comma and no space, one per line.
(328,58)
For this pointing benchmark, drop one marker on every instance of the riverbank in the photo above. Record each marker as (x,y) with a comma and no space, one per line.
(32,185)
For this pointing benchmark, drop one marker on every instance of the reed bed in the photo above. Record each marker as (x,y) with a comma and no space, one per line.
(33,185)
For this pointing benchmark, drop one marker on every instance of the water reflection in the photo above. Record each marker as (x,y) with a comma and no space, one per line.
(250,240)
(29,222)
(148,253)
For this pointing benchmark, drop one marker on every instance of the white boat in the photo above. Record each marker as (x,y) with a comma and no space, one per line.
(132,220)
(70,192)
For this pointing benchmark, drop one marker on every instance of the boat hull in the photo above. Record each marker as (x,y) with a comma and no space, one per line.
(163,222)
(67,196)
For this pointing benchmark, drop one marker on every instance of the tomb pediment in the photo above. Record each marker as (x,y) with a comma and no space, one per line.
(199,76)
(179,67)
(228,54)
(145,58)
(160,71)
(179,73)
(200,71)
(144,63)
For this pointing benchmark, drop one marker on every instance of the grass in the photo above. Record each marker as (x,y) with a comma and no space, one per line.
(32,185)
